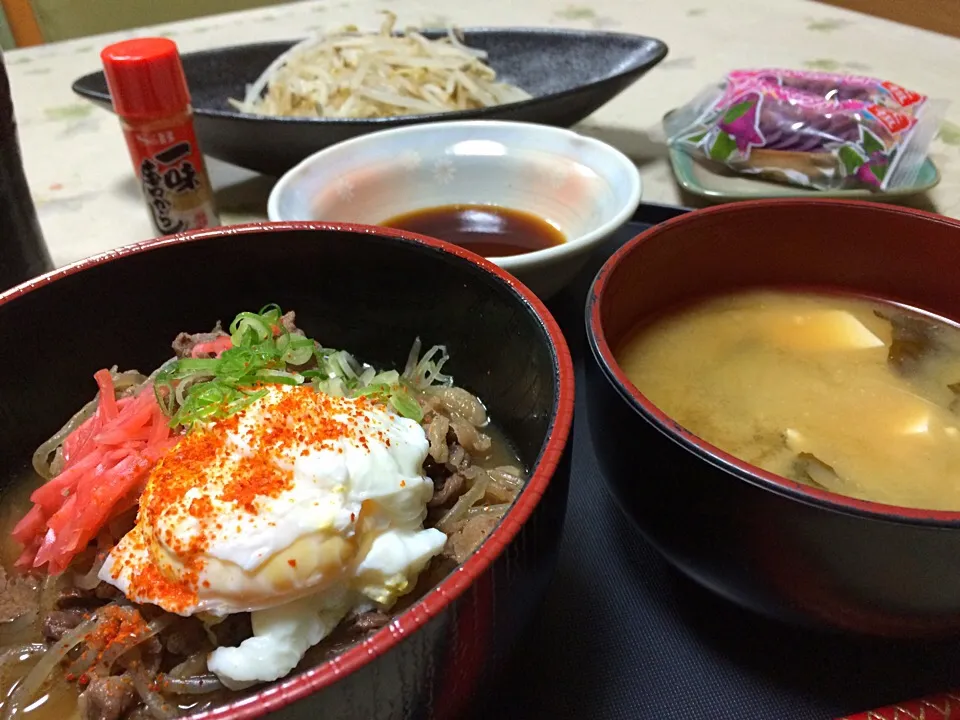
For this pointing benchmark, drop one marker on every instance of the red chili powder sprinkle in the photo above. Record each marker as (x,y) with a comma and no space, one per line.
(184,468)
(254,477)
(201,507)
(176,596)
(292,563)
(116,625)
(299,416)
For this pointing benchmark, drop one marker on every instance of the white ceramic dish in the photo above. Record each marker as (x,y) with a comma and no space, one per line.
(584,187)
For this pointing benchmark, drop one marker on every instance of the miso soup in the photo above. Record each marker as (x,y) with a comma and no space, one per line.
(850,395)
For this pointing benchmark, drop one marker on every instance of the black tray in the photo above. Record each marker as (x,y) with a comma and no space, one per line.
(623,636)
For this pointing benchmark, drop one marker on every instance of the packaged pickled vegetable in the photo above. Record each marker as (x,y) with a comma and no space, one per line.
(814,129)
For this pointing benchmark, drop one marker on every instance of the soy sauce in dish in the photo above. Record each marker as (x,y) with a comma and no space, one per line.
(487,230)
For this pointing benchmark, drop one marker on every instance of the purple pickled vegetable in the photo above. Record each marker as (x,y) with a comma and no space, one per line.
(850,127)
(829,88)
(740,121)
(866,175)
(791,127)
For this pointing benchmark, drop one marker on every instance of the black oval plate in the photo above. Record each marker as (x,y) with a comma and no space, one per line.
(570,73)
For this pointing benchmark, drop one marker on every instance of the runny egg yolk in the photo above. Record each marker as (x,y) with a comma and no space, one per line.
(301,495)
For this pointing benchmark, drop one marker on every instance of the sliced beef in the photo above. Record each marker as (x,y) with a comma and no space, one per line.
(468,538)
(459,458)
(468,436)
(328,649)
(186,638)
(447,492)
(184,343)
(437,429)
(107,698)
(500,494)
(233,630)
(372,620)
(74,597)
(106,591)
(59,622)
(344,637)
(147,657)
(456,401)
(289,323)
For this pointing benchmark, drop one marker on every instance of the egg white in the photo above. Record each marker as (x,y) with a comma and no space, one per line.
(346,533)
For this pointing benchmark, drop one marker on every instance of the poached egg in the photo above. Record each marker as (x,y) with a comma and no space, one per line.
(300,508)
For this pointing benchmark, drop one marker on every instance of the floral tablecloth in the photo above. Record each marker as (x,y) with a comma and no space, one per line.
(84,187)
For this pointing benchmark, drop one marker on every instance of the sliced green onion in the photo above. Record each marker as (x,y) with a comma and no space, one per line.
(280,377)
(296,350)
(243,400)
(187,365)
(380,390)
(405,404)
(346,362)
(248,325)
(388,377)
(264,351)
(332,386)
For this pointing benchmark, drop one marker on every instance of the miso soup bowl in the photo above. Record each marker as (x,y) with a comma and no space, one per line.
(353,287)
(782,549)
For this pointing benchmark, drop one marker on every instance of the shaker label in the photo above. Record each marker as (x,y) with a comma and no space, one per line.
(894,122)
(173,178)
(904,97)
(158,138)
(160,207)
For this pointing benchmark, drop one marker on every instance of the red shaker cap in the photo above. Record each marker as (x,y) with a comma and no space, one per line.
(145,78)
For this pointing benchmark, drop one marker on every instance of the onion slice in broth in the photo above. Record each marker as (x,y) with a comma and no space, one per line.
(49,662)
(447,524)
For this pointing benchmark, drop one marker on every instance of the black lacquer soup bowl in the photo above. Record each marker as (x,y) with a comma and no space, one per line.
(786,550)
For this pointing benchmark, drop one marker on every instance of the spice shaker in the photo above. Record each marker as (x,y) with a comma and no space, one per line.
(23,253)
(150,95)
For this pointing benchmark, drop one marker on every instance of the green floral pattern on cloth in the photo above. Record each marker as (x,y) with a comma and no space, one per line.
(830,65)
(75,111)
(949,133)
(827,25)
(80,173)
(576,12)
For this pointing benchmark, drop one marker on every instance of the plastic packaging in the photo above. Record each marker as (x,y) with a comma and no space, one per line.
(149,93)
(814,129)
